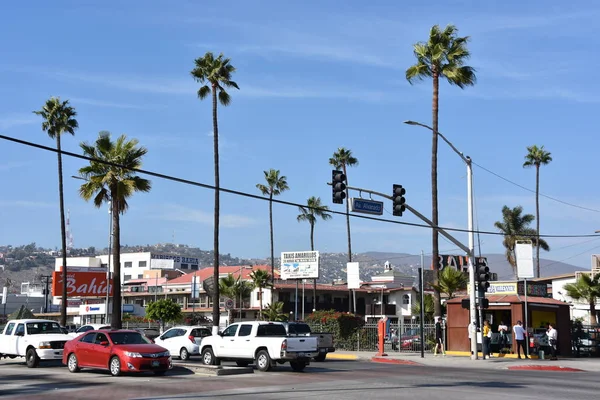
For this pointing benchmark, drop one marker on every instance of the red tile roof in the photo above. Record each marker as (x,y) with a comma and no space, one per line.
(204,273)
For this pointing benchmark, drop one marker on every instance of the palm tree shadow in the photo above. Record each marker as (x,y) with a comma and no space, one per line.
(481,384)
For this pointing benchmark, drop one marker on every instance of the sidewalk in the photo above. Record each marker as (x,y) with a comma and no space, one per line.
(457,359)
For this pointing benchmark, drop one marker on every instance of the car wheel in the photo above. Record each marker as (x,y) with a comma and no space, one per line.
(298,366)
(263,361)
(208,357)
(72,363)
(184,355)
(115,366)
(31,358)
(321,357)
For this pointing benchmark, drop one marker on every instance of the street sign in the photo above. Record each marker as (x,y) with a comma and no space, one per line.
(228,304)
(367,206)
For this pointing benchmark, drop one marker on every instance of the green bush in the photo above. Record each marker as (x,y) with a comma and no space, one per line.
(345,327)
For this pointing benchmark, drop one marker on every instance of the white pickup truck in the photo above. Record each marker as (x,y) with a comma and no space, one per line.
(262,343)
(34,339)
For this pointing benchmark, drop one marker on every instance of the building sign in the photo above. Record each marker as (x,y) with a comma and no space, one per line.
(81,284)
(300,265)
(353,272)
(177,259)
(513,288)
(92,309)
(502,288)
(460,263)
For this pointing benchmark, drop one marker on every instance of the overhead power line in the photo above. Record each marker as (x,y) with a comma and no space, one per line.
(259,197)
(533,191)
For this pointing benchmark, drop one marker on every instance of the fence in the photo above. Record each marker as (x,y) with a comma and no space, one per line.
(366,338)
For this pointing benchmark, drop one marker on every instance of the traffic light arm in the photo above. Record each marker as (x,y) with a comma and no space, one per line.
(418,215)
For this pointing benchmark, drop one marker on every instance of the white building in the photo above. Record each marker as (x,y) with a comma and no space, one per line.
(579,309)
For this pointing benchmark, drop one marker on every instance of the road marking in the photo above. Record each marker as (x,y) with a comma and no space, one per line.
(333,356)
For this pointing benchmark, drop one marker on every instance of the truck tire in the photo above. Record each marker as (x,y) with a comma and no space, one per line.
(31,358)
(321,357)
(263,361)
(208,357)
(298,366)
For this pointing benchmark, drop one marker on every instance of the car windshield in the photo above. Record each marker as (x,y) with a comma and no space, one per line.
(35,328)
(128,338)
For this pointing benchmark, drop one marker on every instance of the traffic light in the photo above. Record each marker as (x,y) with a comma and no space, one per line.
(398,200)
(465,303)
(338,186)
(482,276)
(484,304)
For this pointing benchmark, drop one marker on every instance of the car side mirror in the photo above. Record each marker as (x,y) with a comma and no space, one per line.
(220,333)
(105,343)
(19,333)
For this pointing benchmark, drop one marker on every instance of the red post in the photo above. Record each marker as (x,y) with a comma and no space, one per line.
(381,325)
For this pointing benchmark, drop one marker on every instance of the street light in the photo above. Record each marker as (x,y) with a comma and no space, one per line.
(110,234)
(471,263)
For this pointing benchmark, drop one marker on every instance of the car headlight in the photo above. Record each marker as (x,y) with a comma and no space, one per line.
(133,354)
(44,345)
(164,354)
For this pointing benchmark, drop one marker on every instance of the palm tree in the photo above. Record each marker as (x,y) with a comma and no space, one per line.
(261,279)
(59,118)
(313,210)
(236,289)
(428,309)
(215,75)
(515,226)
(113,183)
(586,288)
(442,56)
(274,312)
(343,158)
(536,157)
(276,185)
(451,281)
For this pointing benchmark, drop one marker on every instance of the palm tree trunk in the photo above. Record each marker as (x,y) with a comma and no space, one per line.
(537,219)
(434,192)
(216,312)
(312,248)
(593,319)
(260,302)
(272,243)
(116,322)
(348,216)
(63,234)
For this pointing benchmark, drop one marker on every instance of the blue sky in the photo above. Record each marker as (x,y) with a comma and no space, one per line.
(314,76)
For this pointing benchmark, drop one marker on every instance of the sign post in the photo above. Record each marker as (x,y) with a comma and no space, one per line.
(524,256)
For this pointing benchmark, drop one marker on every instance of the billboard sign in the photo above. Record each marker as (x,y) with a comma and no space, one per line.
(524,256)
(300,265)
(460,263)
(162,263)
(353,272)
(81,284)
(92,309)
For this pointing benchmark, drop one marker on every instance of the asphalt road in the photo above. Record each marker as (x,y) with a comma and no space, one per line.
(347,380)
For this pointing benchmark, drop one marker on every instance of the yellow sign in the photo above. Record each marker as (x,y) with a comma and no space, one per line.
(501,288)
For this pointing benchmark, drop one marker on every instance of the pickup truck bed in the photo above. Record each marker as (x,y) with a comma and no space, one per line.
(324,340)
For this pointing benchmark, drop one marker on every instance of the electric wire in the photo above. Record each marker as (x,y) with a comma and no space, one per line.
(259,197)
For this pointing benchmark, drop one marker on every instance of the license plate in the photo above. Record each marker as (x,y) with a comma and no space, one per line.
(155,363)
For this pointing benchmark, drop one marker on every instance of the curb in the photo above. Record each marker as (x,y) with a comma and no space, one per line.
(333,356)
(495,355)
(393,361)
(544,368)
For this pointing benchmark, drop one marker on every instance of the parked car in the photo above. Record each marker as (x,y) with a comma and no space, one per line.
(183,340)
(88,327)
(34,339)
(150,333)
(324,340)
(261,342)
(117,350)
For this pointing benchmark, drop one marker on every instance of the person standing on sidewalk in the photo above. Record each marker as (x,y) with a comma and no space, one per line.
(486,338)
(519,332)
(502,338)
(439,337)
(552,340)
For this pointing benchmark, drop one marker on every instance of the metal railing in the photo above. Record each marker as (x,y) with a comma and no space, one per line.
(366,338)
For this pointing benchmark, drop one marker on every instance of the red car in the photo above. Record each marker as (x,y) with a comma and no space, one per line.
(118,350)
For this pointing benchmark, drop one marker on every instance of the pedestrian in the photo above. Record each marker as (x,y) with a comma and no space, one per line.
(502,337)
(552,340)
(471,328)
(486,339)
(439,342)
(519,333)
